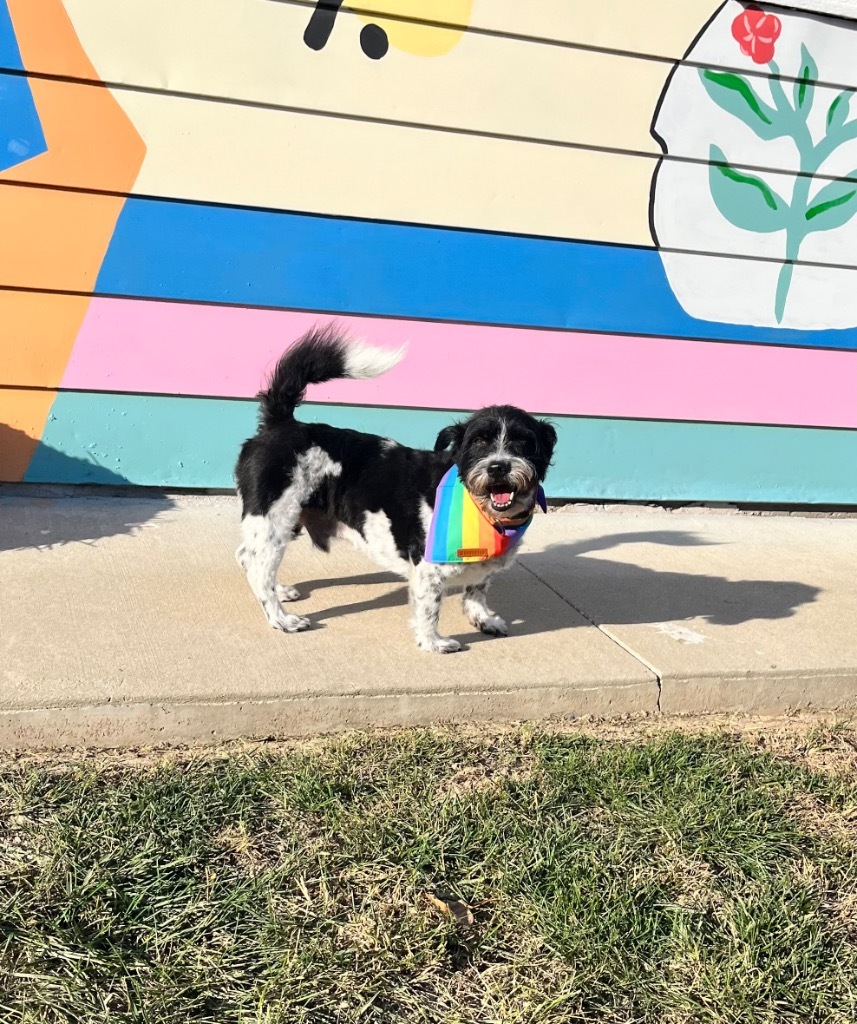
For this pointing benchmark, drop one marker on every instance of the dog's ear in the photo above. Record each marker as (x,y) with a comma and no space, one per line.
(452,435)
(547,439)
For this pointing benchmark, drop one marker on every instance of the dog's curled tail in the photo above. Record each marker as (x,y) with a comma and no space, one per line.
(322,354)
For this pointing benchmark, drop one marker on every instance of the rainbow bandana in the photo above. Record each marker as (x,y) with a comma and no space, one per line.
(459,530)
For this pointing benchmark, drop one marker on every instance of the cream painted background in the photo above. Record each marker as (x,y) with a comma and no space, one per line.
(253,50)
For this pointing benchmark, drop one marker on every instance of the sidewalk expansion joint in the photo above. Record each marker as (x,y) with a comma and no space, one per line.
(605,632)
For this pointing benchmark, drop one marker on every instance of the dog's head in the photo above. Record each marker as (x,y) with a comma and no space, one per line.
(502,454)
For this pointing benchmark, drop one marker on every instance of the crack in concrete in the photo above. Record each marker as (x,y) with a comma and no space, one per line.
(604,631)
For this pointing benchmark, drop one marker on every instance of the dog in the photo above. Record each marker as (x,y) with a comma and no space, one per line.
(376,493)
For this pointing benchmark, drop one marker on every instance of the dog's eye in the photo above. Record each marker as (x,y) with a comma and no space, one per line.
(479,442)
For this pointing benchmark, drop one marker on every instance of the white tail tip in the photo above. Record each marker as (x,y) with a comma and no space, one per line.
(363,361)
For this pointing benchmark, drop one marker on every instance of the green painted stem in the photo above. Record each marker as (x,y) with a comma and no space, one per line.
(796,230)
(783,284)
(795,234)
(778,94)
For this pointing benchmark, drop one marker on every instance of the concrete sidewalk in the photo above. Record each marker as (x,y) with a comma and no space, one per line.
(127,621)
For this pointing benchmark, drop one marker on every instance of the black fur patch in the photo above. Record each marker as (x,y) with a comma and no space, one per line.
(527,437)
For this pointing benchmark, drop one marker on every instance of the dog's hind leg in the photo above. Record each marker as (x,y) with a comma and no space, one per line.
(426,592)
(475,603)
(284,591)
(264,541)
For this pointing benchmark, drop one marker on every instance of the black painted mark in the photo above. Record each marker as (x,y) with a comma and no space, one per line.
(321,24)
(373,39)
(374,42)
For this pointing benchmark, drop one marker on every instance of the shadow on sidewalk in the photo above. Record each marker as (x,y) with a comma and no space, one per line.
(607,591)
(616,592)
(44,522)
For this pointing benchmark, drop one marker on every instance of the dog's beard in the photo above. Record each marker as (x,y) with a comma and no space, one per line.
(508,500)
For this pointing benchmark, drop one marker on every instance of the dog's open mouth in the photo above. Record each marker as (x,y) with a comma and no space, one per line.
(502,500)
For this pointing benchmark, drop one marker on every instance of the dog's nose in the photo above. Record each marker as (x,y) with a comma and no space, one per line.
(498,469)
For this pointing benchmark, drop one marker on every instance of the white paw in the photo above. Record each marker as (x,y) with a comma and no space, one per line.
(291,623)
(493,626)
(287,593)
(440,645)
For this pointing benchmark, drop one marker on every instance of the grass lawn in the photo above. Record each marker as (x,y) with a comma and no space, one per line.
(507,877)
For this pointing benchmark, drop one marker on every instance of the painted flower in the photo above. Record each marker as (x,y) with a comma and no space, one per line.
(757,31)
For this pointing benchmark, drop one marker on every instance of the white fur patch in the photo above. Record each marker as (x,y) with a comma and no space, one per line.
(363,361)
(264,538)
(475,605)
(379,544)
(426,593)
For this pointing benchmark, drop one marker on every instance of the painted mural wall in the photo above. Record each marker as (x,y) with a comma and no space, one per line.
(636,216)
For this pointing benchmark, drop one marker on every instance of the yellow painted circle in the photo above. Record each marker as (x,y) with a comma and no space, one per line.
(411,36)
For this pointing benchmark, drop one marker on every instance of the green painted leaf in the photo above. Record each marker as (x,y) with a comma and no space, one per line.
(744,199)
(837,112)
(834,205)
(804,88)
(734,94)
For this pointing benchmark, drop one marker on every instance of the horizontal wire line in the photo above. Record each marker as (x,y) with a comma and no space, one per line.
(390,122)
(145,197)
(418,408)
(567,44)
(448,321)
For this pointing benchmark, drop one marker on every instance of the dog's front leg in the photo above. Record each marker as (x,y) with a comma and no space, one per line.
(475,602)
(427,585)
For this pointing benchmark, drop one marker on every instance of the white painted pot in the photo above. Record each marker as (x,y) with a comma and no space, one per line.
(741,206)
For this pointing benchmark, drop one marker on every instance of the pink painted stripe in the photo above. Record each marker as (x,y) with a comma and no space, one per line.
(172,348)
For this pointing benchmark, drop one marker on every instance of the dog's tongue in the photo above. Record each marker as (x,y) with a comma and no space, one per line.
(501,497)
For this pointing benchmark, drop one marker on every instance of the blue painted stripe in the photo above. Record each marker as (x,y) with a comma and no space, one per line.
(10,54)
(249,257)
(21,136)
(193,442)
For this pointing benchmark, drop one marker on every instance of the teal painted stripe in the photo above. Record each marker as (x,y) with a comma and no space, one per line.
(193,442)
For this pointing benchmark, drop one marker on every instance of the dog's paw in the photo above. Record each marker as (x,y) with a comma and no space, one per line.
(493,625)
(291,623)
(440,645)
(287,593)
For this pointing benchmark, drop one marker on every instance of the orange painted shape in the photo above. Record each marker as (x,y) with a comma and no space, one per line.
(54,239)
(60,239)
(91,142)
(38,329)
(23,415)
(44,28)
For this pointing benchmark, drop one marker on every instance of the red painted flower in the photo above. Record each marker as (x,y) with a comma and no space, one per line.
(757,32)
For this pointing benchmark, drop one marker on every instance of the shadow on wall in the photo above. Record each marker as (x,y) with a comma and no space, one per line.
(28,521)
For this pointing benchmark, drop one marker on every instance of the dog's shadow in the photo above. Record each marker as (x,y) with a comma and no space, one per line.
(623,593)
(391,599)
(602,590)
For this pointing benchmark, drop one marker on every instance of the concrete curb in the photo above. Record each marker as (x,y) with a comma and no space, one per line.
(133,725)
(107,726)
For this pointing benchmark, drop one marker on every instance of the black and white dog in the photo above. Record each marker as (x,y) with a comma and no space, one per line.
(374,492)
